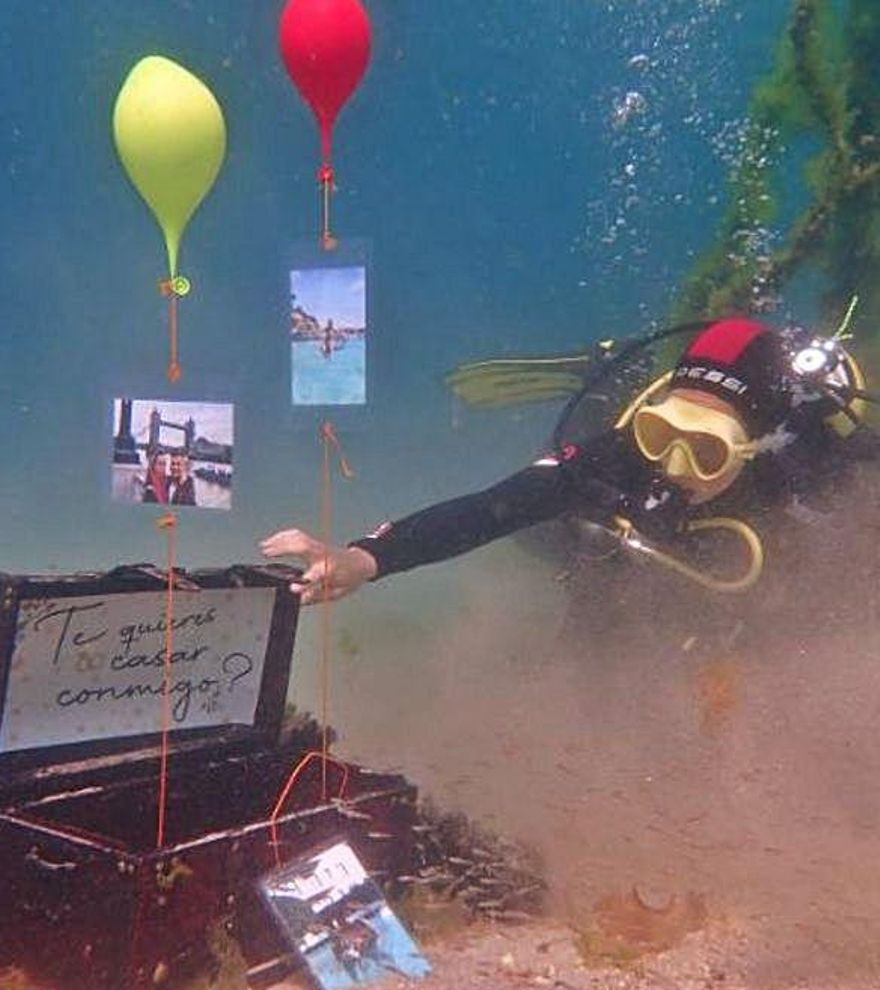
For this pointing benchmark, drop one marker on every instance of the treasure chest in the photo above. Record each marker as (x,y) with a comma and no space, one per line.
(149,776)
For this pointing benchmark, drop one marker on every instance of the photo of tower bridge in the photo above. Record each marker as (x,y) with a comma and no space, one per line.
(173,453)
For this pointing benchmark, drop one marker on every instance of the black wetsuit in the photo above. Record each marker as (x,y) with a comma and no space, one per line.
(607,477)
(599,480)
(604,478)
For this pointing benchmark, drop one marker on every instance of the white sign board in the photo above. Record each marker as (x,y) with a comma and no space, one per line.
(92,667)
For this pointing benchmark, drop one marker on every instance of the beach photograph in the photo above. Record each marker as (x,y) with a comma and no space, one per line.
(328,336)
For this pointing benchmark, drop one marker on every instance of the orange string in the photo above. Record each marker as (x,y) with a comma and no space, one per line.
(326,605)
(325,177)
(328,435)
(174,371)
(167,288)
(329,440)
(169,524)
(288,787)
(330,444)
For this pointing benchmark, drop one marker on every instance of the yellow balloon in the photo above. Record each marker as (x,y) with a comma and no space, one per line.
(171,137)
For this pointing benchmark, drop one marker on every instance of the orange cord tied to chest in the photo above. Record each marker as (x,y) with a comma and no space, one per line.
(331,445)
(168,523)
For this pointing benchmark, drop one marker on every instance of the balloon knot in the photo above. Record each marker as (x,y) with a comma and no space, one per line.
(325,174)
(177,286)
(168,521)
(174,372)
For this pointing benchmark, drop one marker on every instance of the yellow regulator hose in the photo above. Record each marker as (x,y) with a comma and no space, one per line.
(631,538)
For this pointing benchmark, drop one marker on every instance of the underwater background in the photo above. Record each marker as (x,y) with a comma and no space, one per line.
(529,177)
(508,211)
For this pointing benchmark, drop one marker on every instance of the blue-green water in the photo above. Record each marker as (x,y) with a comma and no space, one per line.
(529,176)
(320,379)
(482,158)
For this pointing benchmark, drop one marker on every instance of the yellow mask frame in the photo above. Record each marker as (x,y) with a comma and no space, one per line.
(709,441)
(633,540)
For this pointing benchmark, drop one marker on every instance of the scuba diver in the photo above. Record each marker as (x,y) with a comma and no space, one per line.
(750,419)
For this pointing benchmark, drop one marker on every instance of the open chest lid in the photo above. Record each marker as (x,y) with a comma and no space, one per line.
(82,662)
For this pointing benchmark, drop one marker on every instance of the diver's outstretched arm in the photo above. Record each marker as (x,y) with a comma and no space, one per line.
(551,486)
(435,533)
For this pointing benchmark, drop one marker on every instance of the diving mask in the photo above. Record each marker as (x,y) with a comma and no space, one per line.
(704,441)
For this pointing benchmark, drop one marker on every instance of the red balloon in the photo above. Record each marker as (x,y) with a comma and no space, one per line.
(325,45)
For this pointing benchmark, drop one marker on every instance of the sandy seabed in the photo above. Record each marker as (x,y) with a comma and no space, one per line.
(743,781)
(719,957)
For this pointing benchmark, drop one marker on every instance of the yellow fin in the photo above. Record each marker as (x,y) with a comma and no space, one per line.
(512,381)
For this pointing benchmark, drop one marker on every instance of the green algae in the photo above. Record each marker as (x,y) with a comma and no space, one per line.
(824,92)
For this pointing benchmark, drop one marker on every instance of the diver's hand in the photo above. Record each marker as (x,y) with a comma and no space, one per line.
(331,572)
